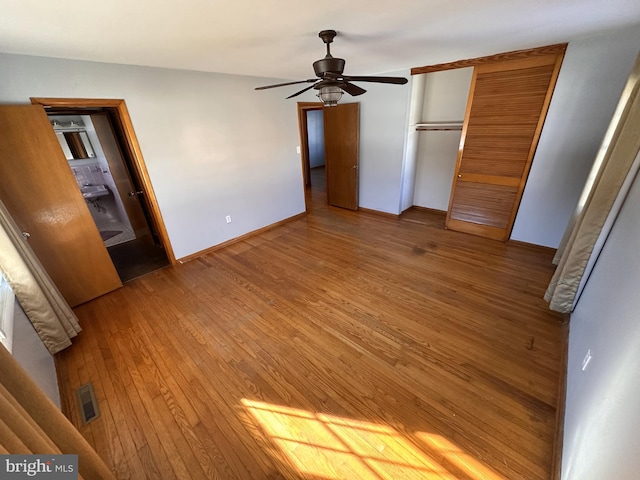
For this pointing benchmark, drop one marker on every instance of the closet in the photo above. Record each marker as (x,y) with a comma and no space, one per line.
(506,108)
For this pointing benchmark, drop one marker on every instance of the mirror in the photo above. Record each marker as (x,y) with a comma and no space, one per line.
(72,137)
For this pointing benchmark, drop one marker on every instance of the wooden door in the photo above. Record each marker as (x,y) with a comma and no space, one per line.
(40,191)
(129,195)
(341,140)
(505,113)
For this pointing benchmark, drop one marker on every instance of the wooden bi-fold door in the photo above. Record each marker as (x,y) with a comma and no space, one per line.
(507,106)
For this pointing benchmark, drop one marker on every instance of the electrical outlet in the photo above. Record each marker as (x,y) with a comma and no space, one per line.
(586,360)
(228,218)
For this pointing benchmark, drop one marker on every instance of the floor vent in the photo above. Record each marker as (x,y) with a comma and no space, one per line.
(88,405)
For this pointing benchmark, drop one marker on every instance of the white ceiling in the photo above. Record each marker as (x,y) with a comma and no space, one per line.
(278,38)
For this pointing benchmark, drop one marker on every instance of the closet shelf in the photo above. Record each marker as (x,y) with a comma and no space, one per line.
(436,126)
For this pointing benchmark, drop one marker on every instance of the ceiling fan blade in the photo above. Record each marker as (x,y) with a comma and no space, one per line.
(301,91)
(288,83)
(352,89)
(395,80)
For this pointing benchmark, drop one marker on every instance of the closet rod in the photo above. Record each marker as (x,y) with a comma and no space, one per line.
(436,126)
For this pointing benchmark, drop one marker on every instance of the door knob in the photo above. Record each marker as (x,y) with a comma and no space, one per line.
(133,194)
(460,175)
(26,235)
(355,167)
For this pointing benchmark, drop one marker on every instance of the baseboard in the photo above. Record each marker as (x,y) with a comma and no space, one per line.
(378,213)
(426,209)
(551,251)
(239,239)
(556,467)
(396,216)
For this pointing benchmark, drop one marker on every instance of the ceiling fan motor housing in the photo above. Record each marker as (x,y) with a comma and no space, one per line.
(328,65)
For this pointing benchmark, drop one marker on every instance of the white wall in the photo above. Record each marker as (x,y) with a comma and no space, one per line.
(445,99)
(602,420)
(33,356)
(410,154)
(593,74)
(213,146)
(384,116)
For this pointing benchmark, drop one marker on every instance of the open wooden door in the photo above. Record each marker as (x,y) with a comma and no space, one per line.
(39,190)
(341,142)
(505,113)
(129,195)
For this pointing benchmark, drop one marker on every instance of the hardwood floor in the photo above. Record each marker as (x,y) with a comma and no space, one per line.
(339,346)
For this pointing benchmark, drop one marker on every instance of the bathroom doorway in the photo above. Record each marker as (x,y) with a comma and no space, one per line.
(111,191)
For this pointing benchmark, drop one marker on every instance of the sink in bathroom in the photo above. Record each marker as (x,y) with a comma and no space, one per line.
(93,191)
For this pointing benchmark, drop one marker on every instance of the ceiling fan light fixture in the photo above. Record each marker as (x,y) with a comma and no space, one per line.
(330,95)
(330,81)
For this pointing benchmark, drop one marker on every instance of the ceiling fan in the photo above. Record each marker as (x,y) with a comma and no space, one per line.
(331,82)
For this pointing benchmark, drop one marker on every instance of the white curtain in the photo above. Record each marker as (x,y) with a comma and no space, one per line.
(614,168)
(51,316)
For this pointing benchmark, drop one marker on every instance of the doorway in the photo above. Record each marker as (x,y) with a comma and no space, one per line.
(312,147)
(329,145)
(118,197)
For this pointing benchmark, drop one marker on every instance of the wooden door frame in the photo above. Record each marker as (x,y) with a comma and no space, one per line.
(119,109)
(303,108)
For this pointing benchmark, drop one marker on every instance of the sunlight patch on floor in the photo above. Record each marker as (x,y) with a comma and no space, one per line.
(332,447)
(463,462)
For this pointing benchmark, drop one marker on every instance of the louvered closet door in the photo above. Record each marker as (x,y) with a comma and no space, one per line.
(505,113)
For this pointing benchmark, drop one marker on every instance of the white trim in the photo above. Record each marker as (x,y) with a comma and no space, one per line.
(7,302)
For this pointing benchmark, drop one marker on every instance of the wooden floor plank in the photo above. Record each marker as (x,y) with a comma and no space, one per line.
(338,345)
